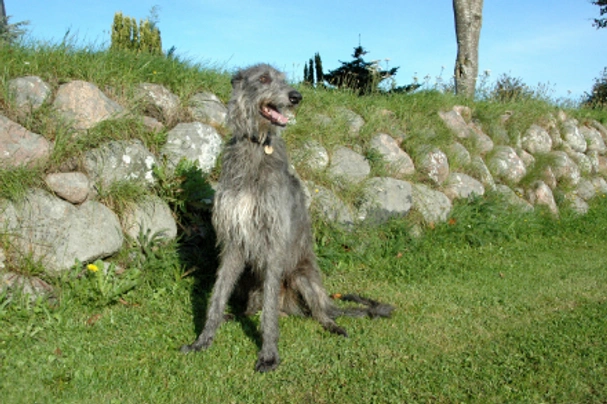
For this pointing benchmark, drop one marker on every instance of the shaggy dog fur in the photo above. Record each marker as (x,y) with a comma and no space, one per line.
(262,223)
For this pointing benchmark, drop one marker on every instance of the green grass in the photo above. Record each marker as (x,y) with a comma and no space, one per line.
(517,315)
(493,306)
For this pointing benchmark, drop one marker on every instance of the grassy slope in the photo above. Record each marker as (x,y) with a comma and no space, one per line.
(492,306)
(519,320)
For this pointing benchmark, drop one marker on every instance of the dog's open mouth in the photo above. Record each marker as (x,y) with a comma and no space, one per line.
(271,113)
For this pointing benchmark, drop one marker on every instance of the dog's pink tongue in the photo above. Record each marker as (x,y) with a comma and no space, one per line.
(276,116)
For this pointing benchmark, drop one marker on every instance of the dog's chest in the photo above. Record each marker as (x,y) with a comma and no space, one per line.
(256,209)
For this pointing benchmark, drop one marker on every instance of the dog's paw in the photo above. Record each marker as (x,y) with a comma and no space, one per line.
(267,364)
(195,347)
(335,329)
(189,348)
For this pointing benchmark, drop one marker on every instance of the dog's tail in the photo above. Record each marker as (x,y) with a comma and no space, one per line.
(371,308)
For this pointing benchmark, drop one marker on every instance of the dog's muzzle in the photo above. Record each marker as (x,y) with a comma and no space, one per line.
(295,97)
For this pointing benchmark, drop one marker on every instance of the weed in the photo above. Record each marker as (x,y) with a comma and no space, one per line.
(100,284)
(15,181)
(120,196)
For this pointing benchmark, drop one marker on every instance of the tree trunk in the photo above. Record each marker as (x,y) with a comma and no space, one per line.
(468,21)
(2,11)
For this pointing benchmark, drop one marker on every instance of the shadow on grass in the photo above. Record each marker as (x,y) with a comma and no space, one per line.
(199,253)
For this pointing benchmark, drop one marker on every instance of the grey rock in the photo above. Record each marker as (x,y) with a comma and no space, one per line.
(593,139)
(84,105)
(398,160)
(353,121)
(57,233)
(464,111)
(454,121)
(312,155)
(120,160)
(149,218)
(459,155)
(512,198)
(541,194)
(462,186)
(19,146)
(482,142)
(329,206)
(348,165)
(31,286)
(323,120)
(434,206)
(536,140)
(578,204)
(73,187)
(434,165)
(593,157)
(152,124)
(206,107)
(600,185)
(506,165)
(589,188)
(482,173)
(564,168)
(602,166)
(29,92)
(549,178)
(572,136)
(195,142)
(527,158)
(157,101)
(386,198)
(583,162)
(602,130)
(555,135)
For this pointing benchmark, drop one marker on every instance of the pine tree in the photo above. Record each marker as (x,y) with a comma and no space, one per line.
(360,76)
(311,71)
(306,77)
(320,77)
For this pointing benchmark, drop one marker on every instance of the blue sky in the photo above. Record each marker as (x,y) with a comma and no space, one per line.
(539,41)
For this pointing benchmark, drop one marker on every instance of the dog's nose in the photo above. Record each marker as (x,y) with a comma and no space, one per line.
(295,97)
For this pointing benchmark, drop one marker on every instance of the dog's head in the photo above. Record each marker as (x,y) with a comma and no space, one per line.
(261,102)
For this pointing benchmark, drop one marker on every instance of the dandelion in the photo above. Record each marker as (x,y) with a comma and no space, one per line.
(92,267)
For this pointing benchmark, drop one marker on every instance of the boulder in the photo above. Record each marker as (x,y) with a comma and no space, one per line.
(83,105)
(195,142)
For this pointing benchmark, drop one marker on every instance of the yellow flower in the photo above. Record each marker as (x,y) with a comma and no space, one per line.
(92,267)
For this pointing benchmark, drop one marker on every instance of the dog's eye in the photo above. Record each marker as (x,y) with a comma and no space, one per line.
(265,79)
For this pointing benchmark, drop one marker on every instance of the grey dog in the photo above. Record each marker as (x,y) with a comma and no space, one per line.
(262,224)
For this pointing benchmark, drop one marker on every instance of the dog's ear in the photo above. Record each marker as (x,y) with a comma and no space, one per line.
(237,78)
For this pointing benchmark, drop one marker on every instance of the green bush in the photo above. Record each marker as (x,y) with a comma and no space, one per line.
(598,97)
(127,35)
(510,89)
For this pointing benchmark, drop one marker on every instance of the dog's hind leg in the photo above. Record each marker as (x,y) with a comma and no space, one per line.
(232,266)
(307,281)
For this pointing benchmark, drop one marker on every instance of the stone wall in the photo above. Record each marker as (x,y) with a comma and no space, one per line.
(64,223)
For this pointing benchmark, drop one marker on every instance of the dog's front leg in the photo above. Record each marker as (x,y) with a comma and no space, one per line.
(268,358)
(232,266)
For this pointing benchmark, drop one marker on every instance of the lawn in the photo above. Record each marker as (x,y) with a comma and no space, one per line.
(518,317)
